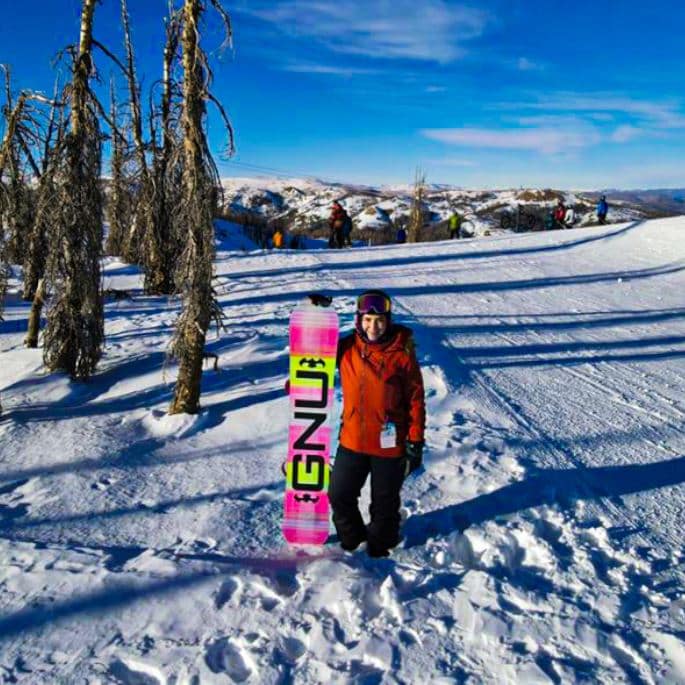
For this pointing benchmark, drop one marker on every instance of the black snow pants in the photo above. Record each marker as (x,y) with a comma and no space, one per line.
(349,474)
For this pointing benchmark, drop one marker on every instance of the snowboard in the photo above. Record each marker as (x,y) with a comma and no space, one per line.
(313,349)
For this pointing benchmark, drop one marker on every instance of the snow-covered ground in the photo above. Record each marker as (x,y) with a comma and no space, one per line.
(543,541)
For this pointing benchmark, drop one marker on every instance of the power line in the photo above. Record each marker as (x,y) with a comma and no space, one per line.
(286,174)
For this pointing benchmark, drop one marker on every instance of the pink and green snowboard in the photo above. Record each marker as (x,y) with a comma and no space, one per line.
(313,348)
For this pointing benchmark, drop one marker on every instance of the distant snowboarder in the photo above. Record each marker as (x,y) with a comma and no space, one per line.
(336,223)
(549,221)
(347,230)
(455,226)
(570,217)
(602,209)
(560,214)
(277,238)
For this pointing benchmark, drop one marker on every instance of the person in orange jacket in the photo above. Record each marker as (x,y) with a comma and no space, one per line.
(277,238)
(382,428)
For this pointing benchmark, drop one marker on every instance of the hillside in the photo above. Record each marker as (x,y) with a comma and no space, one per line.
(304,205)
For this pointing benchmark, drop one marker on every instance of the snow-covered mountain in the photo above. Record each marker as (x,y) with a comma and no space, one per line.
(304,205)
(543,541)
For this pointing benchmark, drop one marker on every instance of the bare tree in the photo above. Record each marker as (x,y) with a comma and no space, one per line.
(161,249)
(46,216)
(47,140)
(140,179)
(18,205)
(417,209)
(119,208)
(194,216)
(10,118)
(75,327)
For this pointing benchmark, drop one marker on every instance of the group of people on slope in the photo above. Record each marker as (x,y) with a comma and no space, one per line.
(565,217)
(560,217)
(340,224)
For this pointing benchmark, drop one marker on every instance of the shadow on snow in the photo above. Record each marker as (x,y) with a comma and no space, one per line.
(561,487)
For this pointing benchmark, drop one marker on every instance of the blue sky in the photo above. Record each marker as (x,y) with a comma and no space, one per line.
(487,94)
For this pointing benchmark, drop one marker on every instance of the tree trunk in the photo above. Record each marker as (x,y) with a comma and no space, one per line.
(37,244)
(161,253)
(34,261)
(119,199)
(75,330)
(196,274)
(416,216)
(34,317)
(82,69)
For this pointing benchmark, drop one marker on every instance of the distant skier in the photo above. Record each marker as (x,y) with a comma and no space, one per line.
(550,224)
(382,426)
(401,235)
(570,217)
(560,213)
(277,238)
(336,223)
(602,209)
(455,226)
(347,230)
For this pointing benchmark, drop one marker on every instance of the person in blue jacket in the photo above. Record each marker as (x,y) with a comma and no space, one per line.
(602,209)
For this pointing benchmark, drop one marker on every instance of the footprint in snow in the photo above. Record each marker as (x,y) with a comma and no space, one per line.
(291,649)
(9,488)
(12,512)
(226,656)
(132,673)
(13,507)
(101,484)
(227,590)
(285,582)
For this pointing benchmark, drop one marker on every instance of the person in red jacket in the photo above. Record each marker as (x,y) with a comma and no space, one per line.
(336,223)
(560,214)
(382,426)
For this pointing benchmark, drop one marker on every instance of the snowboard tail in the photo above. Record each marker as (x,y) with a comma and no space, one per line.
(313,349)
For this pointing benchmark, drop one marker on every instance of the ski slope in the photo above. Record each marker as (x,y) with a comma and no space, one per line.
(543,541)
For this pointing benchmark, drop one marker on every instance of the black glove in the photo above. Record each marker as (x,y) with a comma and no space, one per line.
(320,300)
(413,453)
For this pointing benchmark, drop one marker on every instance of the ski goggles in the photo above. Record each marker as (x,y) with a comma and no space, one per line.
(373,303)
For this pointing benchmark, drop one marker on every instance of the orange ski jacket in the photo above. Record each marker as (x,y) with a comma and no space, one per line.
(381,385)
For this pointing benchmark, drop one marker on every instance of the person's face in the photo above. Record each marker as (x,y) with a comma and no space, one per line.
(374,325)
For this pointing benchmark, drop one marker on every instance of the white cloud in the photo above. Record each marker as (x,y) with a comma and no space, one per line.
(430,30)
(544,139)
(651,114)
(610,117)
(452,162)
(625,133)
(309,68)
(525,64)
(601,116)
